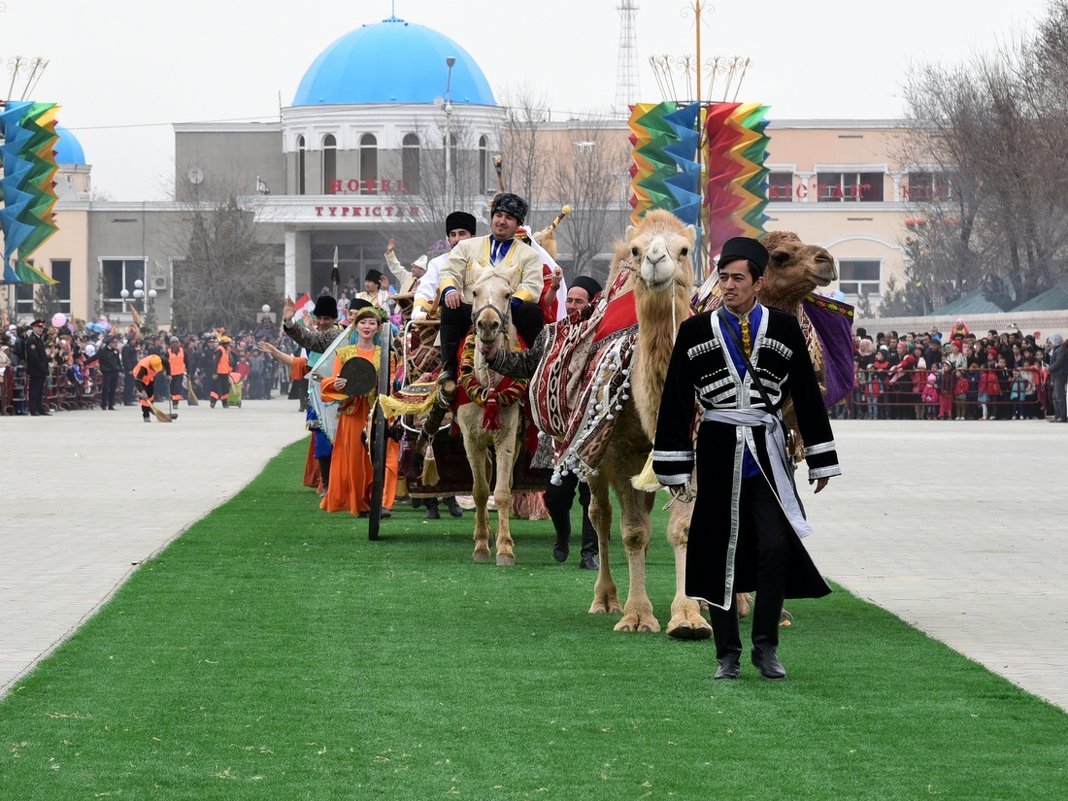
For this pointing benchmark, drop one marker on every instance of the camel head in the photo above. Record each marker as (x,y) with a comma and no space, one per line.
(794,270)
(661,250)
(491,303)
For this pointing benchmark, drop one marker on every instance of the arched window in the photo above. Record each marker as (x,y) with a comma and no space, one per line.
(301,152)
(410,164)
(483,164)
(368,164)
(329,164)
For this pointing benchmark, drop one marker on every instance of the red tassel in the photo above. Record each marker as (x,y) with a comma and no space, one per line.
(491,416)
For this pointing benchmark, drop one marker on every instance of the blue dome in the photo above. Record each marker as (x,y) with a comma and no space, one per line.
(392,62)
(68,148)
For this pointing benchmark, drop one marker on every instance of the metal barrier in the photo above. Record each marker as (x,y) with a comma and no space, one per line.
(937,394)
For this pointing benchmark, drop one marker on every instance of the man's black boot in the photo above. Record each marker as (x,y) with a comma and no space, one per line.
(728,641)
(562,546)
(766,614)
(432,512)
(454,507)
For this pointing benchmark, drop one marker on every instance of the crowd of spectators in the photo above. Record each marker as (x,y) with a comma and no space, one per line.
(78,364)
(911,376)
(957,376)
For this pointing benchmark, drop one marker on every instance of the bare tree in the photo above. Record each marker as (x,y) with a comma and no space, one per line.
(226,272)
(464,178)
(586,173)
(522,146)
(997,128)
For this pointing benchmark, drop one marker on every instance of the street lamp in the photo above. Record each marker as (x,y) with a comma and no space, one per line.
(450,61)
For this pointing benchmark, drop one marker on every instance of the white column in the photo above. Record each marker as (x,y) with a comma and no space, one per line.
(291,264)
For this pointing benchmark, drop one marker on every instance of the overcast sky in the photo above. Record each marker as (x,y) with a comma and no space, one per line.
(124,70)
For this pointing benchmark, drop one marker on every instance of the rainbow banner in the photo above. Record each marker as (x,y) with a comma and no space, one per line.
(723,189)
(664,170)
(736,181)
(27,189)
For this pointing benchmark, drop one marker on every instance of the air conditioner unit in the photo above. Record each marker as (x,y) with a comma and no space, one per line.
(159,282)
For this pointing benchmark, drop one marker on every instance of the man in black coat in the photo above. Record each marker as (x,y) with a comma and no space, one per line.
(747,523)
(37,367)
(129,362)
(110,361)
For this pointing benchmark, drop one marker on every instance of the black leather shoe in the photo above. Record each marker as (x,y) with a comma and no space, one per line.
(589,563)
(729,667)
(384,514)
(560,552)
(769,665)
(432,513)
(454,507)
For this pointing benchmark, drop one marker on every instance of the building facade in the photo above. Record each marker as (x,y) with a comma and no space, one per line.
(359,157)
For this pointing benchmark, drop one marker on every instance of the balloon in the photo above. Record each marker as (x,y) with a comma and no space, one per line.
(104,324)
(59,319)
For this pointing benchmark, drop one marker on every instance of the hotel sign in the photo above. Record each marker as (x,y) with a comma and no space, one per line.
(363,212)
(355,186)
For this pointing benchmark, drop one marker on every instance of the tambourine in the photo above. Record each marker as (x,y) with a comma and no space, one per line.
(360,377)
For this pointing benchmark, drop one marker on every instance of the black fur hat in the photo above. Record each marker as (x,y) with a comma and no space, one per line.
(510,204)
(325,306)
(462,220)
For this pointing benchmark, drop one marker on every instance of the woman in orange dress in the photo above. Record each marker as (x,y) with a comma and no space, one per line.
(351,472)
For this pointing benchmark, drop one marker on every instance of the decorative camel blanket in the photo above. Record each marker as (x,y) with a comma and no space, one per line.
(583,378)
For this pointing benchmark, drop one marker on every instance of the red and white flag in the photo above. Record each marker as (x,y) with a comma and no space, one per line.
(304,307)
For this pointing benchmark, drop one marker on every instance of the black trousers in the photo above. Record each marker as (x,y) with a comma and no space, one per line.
(128,393)
(111,386)
(37,388)
(558,500)
(455,324)
(761,517)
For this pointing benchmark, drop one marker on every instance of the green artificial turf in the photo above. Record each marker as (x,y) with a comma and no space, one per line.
(273,652)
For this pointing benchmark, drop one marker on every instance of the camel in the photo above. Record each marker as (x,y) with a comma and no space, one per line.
(495,421)
(658,254)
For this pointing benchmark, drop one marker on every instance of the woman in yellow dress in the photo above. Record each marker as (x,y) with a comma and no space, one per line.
(351,472)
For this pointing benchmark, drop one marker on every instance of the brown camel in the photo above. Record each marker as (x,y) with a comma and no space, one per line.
(658,254)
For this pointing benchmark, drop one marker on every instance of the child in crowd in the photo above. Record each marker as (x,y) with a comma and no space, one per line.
(989,389)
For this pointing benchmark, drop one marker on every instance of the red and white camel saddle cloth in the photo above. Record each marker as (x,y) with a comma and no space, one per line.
(583,379)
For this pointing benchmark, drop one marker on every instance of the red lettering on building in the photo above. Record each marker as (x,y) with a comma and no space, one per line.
(335,187)
(353,185)
(366,211)
(385,184)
